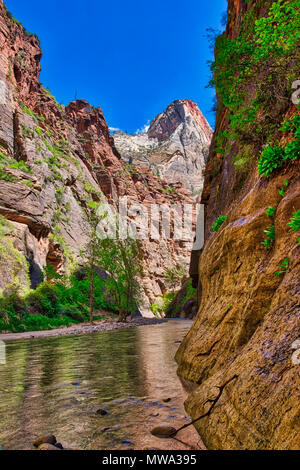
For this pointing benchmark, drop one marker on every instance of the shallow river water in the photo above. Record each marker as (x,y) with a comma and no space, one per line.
(56,385)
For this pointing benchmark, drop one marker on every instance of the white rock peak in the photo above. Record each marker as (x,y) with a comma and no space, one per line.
(175,145)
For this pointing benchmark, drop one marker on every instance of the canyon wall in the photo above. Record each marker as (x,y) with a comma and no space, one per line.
(56,164)
(242,349)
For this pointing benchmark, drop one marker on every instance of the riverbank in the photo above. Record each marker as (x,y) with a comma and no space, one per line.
(83,328)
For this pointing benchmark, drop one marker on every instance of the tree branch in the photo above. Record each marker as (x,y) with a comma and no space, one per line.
(213,401)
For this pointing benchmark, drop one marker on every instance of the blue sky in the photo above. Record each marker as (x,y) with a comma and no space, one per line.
(132,58)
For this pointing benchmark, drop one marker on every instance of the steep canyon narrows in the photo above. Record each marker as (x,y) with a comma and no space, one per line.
(70,161)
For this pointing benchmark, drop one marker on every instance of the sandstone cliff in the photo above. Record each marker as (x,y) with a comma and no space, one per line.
(246,331)
(56,162)
(175,146)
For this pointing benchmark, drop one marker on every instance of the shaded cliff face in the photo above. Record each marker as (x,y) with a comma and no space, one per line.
(55,164)
(248,322)
(175,145)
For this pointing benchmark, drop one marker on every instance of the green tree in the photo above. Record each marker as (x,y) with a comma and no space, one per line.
(91,255)
(174,276)
(122,261)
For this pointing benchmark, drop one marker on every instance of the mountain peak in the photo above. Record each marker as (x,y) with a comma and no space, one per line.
(175,146)
(164,124)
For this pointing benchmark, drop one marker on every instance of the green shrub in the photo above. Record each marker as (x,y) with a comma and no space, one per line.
(284,266)
(53,304)
(292,150)
(163,304)
(220,220)
(271,211)
(294,222)
(271,159)
(270,232)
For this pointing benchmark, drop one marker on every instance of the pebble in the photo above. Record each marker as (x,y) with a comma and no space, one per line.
(47,447)
(163,431)
(59,445)
(47,439)
(104,429)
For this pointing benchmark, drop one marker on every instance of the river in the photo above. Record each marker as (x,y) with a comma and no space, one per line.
(56,385)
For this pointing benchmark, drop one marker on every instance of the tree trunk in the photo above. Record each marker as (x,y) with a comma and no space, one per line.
(92,295)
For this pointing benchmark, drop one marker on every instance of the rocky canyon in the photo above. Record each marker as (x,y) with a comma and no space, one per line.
(57,162)
(239,359)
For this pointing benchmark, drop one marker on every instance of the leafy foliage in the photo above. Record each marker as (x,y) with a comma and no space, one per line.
(252,74)
(294,222)
(271,211)
(174,276)
(52,304)
(163,303)
(271,158)
(174,308)
(284,266)
(220,220)
(270,232)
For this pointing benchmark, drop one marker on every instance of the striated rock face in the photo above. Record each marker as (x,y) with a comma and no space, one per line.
(55,162)
(249,318)
(175,146)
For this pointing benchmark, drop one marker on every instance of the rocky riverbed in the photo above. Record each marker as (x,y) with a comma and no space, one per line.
(107,390)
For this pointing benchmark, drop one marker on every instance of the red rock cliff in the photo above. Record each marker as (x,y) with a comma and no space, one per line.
(248,323)
(70,161)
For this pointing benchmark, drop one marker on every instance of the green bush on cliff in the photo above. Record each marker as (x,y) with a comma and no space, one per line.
(252,74)
(8,162)
(269,240)
(283,267)
(219,221)
(274,157)
(294,222)
(271,158)
(31,113)
(14,267)
(271,211)
(238,60)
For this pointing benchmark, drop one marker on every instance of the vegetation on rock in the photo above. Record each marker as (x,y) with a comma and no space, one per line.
(220,220)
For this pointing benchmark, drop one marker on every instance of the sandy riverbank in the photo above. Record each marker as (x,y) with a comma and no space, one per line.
(82,328)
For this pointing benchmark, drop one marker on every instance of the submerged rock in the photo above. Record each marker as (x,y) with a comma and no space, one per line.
(59,445)
(163,431)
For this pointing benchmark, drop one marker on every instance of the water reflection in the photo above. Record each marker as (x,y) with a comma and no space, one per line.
(57,384)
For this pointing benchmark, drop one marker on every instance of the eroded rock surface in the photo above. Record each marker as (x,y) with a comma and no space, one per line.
(249,318)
